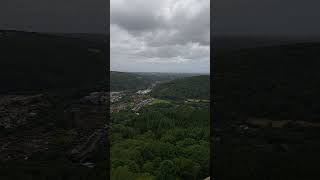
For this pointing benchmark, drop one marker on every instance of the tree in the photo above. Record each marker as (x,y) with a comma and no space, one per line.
(166,170)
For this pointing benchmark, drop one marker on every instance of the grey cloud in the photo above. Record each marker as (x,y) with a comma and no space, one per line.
(135,15)
(154,34)
(151,18)
(191,51)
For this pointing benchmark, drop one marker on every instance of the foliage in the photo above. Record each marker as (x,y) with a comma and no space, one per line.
(120,81)
(161,143)
(197,87)
(127,81)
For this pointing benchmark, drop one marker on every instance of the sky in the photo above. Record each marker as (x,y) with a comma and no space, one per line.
(160,36)
(63,16)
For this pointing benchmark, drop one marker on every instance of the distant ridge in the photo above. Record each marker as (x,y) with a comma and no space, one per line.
(120,81)
(195,87)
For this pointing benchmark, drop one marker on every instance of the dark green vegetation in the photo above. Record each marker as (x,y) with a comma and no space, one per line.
(196,87)
(167,140)
(127,81)
(34,61)
(275,83)
(164,142)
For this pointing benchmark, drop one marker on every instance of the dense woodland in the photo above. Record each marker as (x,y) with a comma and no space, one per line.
(165,142)
(196,87)
(127,81)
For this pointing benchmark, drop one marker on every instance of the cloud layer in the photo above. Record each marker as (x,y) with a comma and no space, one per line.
(160,36)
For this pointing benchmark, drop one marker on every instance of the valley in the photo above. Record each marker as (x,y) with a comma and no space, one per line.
(160,137)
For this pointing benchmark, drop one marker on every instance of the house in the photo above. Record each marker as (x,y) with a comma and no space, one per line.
(142,92)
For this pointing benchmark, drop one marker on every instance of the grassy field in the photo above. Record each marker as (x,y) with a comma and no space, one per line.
(160,101)
(197,100)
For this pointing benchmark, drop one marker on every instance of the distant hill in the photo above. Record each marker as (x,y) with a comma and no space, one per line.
(120,81)
(196,87)
(37,61)
(278,82)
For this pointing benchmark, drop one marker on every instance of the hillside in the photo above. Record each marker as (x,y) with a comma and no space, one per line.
(127,81)
(120,81)
(36,61)
(196,87)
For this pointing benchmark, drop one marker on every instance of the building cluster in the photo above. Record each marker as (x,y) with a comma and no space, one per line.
(138,105)
(115,96)
(143,92)
(117,108)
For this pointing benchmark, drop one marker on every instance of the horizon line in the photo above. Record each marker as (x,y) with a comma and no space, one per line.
(160,72)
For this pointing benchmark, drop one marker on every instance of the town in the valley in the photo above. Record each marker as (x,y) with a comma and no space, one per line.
(133,100)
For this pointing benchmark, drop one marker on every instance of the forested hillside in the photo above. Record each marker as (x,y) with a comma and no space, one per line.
(120,81)
(196,87)
(127,81)
(165,142)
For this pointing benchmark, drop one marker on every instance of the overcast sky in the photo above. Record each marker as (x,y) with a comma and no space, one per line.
(160,35)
